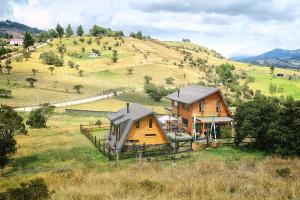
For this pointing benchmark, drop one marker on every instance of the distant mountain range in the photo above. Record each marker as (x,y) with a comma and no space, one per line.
(277,58)
(16,29)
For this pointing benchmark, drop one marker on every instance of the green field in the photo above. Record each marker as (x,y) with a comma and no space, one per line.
(147,57)
(74,169)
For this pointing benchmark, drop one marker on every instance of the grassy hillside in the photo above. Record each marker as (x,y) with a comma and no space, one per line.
(147,57)
(74,169)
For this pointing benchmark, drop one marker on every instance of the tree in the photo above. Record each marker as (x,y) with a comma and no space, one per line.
(11,124)
(50,58)
(155,92)
(147,79)
(77,88)
(8,68)
(226,75)
(69,31)
(130,70)
(38,117)
(34,71)
(80,31)
(51,69)
(28,40)
(52,33)
(115,56)
(83,49)
(170,80)
(59,30)
(80,72)
(272,69)
(71,63)
(26,54)
(31,81)
(4,93)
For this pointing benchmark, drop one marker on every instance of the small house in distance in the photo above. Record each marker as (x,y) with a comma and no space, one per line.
(135,125)
(200,109)
(16,42)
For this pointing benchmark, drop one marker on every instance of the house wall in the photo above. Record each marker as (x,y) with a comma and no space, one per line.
(209,109)
(140,133)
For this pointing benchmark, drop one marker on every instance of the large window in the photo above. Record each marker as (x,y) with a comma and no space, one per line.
(185,122)
(186,106)
(137,124)
(218,106)
(150,123)
(201,106)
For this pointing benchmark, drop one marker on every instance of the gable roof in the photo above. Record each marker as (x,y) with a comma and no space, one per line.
(192,93)
(126,120)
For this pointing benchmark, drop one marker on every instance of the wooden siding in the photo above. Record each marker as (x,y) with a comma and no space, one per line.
(140,133)
(209,108)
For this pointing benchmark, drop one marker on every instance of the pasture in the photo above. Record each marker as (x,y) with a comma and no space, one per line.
(146,57)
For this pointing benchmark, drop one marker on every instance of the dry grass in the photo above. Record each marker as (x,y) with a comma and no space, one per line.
(203,179)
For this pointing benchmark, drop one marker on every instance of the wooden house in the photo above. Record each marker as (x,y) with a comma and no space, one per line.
(200,109)
(135,125)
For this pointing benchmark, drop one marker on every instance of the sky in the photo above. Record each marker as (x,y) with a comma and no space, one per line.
(231,27)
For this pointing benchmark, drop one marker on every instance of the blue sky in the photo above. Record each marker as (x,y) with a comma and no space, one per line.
(232,27)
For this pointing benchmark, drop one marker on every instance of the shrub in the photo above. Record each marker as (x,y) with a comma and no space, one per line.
(284,172)
(155,92)
(130,70)
(147,79)
(36,189)
(38,118)
(49,58)
(169,80)
(4,93)
(151,185)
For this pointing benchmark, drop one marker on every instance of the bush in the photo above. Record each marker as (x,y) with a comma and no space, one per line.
(169,80)
(36,189)
(130,70)
(38,118)
(4,93)
(49,58)
(284,172)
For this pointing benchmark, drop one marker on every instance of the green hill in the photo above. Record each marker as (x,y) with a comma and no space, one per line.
(154,58)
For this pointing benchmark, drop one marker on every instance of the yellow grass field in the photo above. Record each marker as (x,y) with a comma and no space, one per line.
(147,57)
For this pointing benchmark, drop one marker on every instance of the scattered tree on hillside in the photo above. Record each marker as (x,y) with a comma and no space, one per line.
(77,88)
(26,54)
(69,31)
(130,70)
(83,49)
(4,93)
(147,79)
(272,69)
(50,58)
(51,70)
(38,117)
(75,42)
(28,40)
(8,68)
(115,56)
(31,81)
(169,80)
(62,49)
(89,41)
(155,92)
(59,30)
(52,33)
(71,63)
(226,75)
(80,72)
(34,71)
(80,31)
(11,124)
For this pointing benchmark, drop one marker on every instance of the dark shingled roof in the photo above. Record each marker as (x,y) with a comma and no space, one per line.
(126,120)
(192,93)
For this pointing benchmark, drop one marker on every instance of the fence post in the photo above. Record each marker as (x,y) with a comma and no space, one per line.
(140,159)
(95,140)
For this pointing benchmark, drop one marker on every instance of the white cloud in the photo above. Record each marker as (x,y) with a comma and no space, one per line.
(229,26)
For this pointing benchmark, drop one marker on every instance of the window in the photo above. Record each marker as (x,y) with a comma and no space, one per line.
(185,122)
(137,124)
(218,106)
(150,134)
(201,106)
(186,106)
(150,123)
(133,141)
(175,103)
